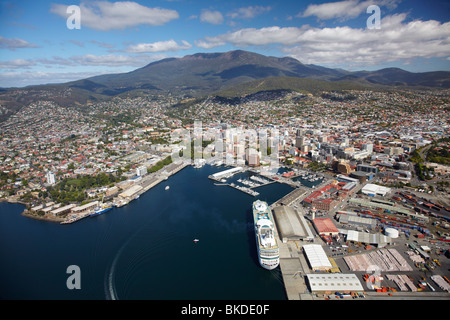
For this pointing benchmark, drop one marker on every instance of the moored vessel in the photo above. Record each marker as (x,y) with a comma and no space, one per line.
(102,209)
(266,244)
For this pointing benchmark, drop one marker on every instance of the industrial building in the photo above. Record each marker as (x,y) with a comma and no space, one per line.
(362,176)
(367,168)
(359,221)
(376,239)
(85,207)
(291,224)
(334,282)
(385,206)
(63,210)
(225,173)
(375,190)
(325,227)
(130,193)
(317,257)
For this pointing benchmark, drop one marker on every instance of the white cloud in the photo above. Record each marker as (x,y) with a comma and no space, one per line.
(253,36)
(109,60)
(248,12)
(21,79)
(16,43)
(112,60)
(159,46)
(209,43)
(23,72)
(17,64)
(105,16)
(343,9)
(213,17)
(397,40)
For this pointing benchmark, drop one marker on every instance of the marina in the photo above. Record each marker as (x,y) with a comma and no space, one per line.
(245,185)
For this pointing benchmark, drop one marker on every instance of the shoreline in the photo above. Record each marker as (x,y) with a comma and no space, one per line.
(50,218)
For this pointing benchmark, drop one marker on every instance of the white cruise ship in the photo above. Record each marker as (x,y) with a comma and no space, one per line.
(268,251)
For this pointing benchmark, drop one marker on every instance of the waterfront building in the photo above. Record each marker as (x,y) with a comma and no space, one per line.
(292,226)
(334,283)
(141,171)
(317,257)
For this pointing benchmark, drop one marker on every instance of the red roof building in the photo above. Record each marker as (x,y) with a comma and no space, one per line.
(325,226)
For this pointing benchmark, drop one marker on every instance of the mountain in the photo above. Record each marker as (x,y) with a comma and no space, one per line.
(203,74)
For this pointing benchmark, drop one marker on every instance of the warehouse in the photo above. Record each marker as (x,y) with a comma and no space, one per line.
(62,210)
(359,221)
(368,238)
(334,282)
(85,207)
(374,190)
(291,224)
(325,227)
(317,257)
(130,193)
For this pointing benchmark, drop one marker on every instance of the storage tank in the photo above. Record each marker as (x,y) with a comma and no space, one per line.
(391,232)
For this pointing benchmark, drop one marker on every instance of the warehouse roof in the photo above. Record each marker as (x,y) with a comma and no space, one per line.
(375,189)
(372,238)
(291,224)
(317,256)
(352,219)
(334,282)
(325,225)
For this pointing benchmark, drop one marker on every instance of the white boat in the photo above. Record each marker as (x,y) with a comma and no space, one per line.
(196,240)
(167,188)
(266,244)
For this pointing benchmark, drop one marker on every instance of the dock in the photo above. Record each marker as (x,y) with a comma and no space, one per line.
(148,182)
(291,197)
(247,186)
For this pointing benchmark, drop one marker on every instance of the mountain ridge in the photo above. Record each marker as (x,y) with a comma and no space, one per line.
(203,74)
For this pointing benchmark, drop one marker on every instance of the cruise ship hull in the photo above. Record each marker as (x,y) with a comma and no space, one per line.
(267,263)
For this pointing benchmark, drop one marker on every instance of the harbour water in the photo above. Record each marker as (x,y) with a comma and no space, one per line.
(145,250)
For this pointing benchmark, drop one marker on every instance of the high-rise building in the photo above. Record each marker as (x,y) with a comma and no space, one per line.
(300,141)
(141,171)
(51,178)
(368,147)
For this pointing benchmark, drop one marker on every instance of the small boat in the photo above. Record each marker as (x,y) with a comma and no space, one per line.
(196,240)
(167,188)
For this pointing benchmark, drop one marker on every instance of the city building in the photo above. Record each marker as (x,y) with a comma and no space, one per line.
(325,227)
(317,257)
(291,224)
(51,178)
(141,171)
(375,190)
(334,283)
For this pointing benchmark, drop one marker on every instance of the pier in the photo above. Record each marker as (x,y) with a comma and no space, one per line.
(148,182)
(247,186)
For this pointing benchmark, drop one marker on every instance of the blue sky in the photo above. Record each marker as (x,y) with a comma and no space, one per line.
(36,46)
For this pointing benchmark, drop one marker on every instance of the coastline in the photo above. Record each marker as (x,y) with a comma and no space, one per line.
(51,218)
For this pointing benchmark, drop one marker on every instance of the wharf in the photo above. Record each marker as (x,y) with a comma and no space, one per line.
(149,182)
(293,267)
(291,197)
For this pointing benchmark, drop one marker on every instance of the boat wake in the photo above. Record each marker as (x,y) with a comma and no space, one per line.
(136,258)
